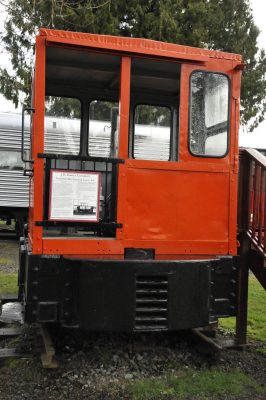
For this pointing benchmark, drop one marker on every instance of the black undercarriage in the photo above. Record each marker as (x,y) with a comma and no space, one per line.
(126,295)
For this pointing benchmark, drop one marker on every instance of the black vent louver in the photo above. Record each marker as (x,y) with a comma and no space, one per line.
(151,303)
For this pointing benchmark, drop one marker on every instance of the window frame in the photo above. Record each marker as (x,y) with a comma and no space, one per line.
(171,156)
(228,114)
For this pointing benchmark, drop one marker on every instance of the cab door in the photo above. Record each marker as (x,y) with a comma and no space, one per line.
(178,170)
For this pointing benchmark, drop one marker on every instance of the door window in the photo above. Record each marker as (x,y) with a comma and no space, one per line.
(152,132)
(103,129)
(209,107)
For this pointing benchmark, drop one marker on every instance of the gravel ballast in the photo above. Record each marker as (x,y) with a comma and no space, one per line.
(103,366)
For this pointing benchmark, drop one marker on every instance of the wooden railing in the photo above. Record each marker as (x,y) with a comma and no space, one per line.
(251,229)
(252,199)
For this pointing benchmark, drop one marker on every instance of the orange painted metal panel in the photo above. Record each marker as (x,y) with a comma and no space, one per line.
(36,212)
(178,207)
(124,104)
(234,160)
(70,246)
(136,45)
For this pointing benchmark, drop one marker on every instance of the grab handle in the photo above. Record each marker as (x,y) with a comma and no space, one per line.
(23,134)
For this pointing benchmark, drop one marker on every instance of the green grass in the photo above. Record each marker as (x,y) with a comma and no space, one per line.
(204,384)
(210,383)
(5,261)
(8,283)
(256,312)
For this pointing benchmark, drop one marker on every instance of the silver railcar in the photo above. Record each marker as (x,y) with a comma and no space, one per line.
(14,186)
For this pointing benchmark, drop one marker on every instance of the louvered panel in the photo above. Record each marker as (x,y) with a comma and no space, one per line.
(14,189)
(151,311)
(146,149)
(10,139)
(99,146)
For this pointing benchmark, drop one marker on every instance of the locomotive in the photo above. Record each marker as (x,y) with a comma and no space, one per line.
(157,249)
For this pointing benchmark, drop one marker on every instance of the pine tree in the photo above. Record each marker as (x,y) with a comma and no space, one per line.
(216,24)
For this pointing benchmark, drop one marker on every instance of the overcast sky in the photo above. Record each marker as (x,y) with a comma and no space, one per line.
(259,13)
(254,139)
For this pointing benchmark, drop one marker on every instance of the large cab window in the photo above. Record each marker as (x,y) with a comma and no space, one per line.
(62,125)
(209,102)
(81,142)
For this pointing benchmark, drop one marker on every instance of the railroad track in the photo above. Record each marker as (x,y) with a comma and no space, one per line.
(200,340)
(6,234)
(10,314)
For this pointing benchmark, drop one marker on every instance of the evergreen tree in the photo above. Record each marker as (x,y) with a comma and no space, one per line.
(226,25)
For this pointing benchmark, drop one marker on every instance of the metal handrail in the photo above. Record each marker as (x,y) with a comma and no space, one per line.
(22,134)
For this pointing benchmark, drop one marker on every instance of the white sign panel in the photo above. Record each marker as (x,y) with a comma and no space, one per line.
(74,196)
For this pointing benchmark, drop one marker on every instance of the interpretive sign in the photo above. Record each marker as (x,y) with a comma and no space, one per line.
(74,196)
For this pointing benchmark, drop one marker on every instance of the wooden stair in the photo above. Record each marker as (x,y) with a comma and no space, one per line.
(251,230)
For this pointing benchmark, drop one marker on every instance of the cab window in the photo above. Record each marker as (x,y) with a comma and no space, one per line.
(209,107)
(62,125)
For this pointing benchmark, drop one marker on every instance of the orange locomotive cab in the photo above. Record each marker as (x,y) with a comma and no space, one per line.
(133,187)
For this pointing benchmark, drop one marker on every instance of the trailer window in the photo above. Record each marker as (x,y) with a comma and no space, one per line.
(62,125)
(152,132)
(11,160)
(103,129)
(209,101)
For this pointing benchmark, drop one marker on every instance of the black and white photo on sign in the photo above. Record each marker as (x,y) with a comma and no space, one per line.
(82,207)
